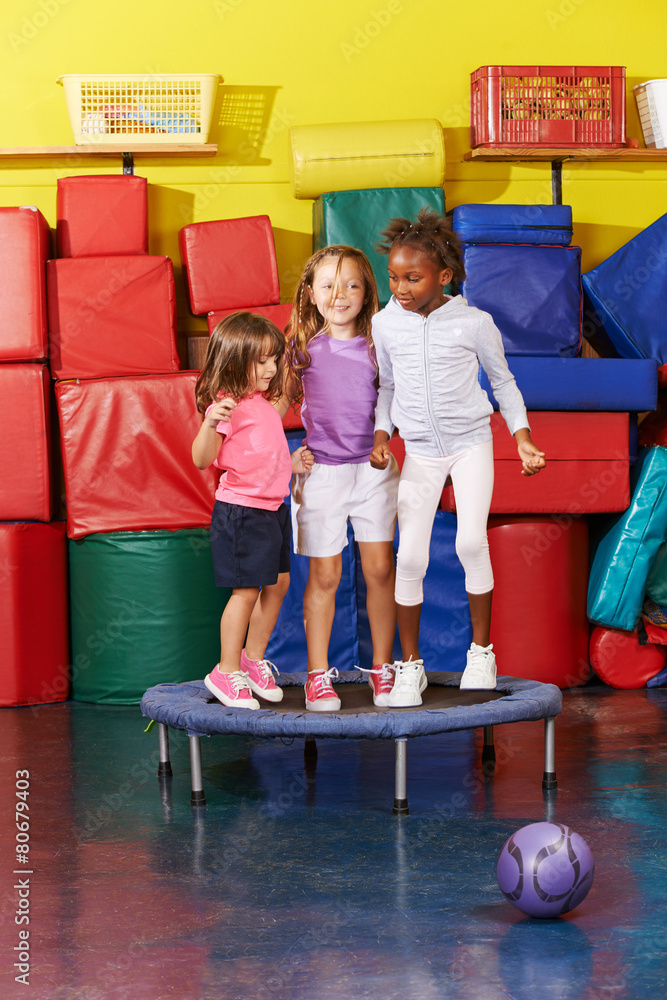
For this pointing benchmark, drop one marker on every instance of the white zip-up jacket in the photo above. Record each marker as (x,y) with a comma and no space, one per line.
(429,377)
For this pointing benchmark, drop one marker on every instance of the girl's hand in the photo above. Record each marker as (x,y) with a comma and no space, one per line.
(302,459)
(532,458)
(380,455)
(222,410)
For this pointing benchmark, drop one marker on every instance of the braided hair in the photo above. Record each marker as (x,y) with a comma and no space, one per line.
(430,234)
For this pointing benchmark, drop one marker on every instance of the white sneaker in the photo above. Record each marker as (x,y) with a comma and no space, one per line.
(410,681)
(480,671)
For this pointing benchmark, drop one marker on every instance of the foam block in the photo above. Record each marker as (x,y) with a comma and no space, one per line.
(127,454)
(629,547)
(532,293)
(26,492)
(24,249)
(588,465)
(111,316)
(533,224)
(582,384)
(102,215)
(345,156)
(356,218)
(620,660)
(278,314)
(230,263)
(656,582)
(34,632)
(539,628)
(629,290)
(145,609)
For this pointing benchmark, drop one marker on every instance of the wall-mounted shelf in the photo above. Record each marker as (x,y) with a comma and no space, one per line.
(126,151)
(557,156)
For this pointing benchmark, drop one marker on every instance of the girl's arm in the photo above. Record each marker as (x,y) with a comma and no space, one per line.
(206,445)
(384,428)
(282,404)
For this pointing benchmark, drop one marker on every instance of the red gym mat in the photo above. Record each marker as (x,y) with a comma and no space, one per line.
(25,241)
(588,465)
(102,215)
(127,454)
(230,263)
(26,492)
(278,314)
(111,316)
(34,643)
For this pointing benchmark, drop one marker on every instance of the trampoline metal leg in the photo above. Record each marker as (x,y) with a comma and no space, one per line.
(164,764)
(549,776)
(197,798)
(400,794)
(488,747)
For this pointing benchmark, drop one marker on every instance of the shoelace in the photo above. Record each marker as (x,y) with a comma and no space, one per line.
(265,667)
(384,671)
(322,681)
(238,681)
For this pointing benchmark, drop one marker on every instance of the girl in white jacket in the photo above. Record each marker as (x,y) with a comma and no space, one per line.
(429,347)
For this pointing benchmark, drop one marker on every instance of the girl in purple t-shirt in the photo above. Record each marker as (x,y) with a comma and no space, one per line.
(332,371)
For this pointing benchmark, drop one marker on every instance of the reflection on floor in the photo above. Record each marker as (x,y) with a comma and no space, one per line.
(302,886)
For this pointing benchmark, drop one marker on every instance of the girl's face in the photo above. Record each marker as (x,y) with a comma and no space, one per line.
(265,369)
(339,306)
(417,280)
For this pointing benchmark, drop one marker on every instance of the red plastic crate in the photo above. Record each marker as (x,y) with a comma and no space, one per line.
(547,106)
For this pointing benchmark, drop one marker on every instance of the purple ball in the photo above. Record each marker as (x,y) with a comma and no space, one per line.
(545,869)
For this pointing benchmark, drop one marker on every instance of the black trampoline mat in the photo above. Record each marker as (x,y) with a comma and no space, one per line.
(357,699)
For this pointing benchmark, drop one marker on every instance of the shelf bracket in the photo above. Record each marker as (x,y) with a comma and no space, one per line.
(128,163)
(556,182)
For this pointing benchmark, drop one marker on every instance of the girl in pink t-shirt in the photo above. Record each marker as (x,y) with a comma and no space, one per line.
(242,433)
(332,370)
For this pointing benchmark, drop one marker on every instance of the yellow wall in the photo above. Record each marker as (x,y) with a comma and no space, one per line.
(302,61)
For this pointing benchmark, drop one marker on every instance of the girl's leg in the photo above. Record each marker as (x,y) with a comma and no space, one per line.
(419,493)
(472,476)
(377,564)
(234,625)
(264,617)
(319,603)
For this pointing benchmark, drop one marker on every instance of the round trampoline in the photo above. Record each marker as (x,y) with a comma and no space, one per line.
(189,707)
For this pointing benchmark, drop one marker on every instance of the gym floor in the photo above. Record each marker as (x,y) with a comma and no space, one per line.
(296,882)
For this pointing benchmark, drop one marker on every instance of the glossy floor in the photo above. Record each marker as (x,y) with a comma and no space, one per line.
(297,884)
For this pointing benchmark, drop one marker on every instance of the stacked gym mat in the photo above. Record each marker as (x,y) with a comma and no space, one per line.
(143,600)
(34,653)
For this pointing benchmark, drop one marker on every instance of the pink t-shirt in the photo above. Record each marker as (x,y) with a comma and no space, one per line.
(255,456)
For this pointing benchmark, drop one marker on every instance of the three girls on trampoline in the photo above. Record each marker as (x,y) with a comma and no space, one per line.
(357,373)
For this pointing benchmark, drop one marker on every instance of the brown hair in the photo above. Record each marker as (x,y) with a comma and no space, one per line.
(431,234)
(306,321)
(236,345)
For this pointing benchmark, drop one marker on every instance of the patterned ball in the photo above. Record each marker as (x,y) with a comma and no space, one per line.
(545,869)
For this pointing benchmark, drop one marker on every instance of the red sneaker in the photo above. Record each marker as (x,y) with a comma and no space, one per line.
(260,678)
(320,696)
(381,680)
(231,689)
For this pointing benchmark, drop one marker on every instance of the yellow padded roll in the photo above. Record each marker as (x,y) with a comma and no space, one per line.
(350,156)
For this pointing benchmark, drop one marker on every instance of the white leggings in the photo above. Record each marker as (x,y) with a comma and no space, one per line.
(419,492)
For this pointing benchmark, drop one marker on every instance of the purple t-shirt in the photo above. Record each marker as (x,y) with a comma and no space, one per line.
(338,411)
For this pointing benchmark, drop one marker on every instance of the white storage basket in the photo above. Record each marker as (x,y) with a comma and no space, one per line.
(148,108)
(651,100)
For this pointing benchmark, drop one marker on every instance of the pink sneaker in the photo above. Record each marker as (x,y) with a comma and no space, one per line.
(231,689)
(381,680)
(260,678)
(320,696)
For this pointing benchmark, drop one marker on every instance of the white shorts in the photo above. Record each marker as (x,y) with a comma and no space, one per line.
(325,497)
